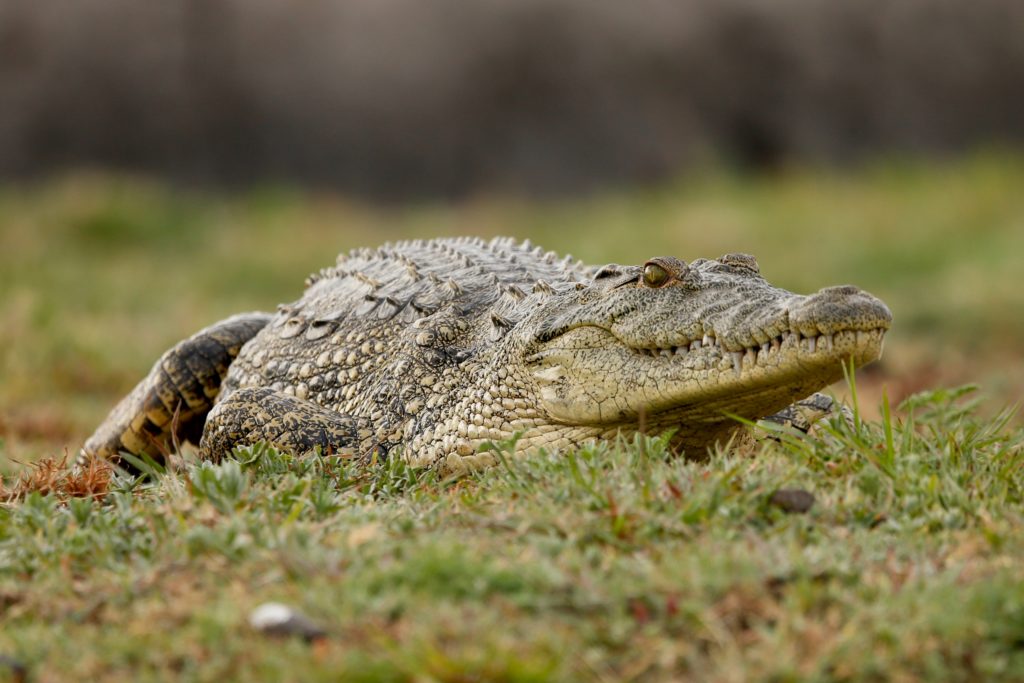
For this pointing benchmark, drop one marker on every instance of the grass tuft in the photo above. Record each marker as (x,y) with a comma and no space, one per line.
(55,476)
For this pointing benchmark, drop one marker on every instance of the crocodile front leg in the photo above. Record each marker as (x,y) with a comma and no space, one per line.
(174,398)
(806,413)
(254,415)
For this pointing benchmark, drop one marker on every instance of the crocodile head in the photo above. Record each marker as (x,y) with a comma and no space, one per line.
(674,344)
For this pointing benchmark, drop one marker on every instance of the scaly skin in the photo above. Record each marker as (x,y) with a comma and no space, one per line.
(430,349)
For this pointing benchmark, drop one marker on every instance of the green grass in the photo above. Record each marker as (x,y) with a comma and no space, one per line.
(612,563)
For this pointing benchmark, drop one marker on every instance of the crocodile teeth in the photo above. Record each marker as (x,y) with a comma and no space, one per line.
(758,353)
(737,361)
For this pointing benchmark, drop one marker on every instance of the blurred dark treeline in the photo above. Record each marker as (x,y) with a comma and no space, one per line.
(406,98)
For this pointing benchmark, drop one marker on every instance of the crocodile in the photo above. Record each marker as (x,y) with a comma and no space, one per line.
(429,349)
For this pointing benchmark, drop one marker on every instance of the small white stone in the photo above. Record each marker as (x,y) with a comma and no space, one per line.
(270,615)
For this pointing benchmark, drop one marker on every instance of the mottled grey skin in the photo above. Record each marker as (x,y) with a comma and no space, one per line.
(430,349)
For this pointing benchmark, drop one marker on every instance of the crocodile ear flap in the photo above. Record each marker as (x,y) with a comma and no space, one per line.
(618,275)
(609,270)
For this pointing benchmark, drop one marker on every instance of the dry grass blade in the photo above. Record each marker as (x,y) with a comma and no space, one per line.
(90,479)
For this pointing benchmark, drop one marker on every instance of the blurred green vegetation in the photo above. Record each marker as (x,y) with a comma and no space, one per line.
(100,274)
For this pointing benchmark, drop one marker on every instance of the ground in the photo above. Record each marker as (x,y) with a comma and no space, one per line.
(619,563)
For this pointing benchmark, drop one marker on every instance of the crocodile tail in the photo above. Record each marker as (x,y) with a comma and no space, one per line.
(170,404)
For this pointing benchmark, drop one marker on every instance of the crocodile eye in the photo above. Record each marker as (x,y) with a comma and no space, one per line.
(654,275)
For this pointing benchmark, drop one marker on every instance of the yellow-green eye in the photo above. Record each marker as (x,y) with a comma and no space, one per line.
(655,275)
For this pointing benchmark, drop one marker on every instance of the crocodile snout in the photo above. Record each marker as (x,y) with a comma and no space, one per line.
(834,309)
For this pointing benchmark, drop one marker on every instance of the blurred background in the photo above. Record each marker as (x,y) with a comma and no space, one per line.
(400,99)
(163,165)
